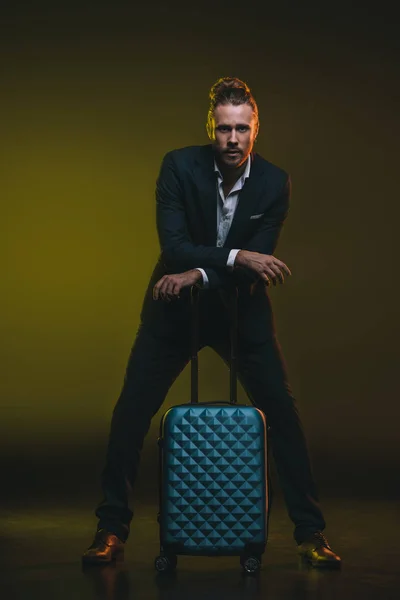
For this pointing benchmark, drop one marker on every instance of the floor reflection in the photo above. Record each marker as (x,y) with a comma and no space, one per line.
(110,582)
(40,557)
(116,582)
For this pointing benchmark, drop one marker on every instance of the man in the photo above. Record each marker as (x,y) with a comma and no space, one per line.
(220,209)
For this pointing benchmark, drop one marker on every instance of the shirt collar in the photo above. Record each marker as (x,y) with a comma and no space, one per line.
(245,174)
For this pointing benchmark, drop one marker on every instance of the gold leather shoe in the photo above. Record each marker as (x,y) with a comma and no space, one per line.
(318,552)
(105,548)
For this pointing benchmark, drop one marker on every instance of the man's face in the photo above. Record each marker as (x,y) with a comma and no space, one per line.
(234,129)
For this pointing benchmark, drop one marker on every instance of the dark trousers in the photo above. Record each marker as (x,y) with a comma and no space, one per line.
(154,364)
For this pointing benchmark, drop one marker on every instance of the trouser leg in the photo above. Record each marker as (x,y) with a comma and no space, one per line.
(154,364)
(262,372)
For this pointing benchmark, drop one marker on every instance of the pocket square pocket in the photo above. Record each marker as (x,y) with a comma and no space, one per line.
(257,216)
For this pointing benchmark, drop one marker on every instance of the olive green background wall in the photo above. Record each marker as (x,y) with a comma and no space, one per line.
(91,97)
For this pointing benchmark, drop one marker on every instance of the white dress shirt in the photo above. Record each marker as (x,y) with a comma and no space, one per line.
(226,208)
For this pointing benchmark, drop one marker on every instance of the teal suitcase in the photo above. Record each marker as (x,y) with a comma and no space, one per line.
(213,480)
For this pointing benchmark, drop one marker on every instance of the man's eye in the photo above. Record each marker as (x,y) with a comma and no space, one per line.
(223,129)
(242,129)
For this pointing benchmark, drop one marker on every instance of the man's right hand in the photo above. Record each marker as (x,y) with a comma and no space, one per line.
(266,266)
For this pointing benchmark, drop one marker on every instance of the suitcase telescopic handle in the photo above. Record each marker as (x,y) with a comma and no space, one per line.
(194,379)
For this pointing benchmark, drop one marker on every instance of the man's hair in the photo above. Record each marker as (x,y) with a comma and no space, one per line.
(229,90)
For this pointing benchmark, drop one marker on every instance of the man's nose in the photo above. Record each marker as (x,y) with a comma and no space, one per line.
(232,138)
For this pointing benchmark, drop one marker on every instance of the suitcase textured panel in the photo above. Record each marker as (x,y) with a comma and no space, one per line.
(213,479)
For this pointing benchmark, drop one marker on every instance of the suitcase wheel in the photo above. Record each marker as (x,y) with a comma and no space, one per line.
(165,564)
(250,564)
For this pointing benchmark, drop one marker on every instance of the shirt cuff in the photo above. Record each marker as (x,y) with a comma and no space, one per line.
(231,258)
(205,278)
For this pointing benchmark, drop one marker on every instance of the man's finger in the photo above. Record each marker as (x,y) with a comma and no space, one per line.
(156,291)
(278,273)
(282,266)
(265,278)
(176,290)
(163,288)
(157,287)
(169,290)
(271,273)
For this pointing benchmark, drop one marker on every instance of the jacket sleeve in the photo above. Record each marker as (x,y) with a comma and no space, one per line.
(178,251)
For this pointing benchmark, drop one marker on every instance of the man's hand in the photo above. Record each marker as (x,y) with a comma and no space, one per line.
(265,265)
(169,287)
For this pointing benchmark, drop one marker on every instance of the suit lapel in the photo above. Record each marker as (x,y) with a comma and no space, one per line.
(247,202)
(206,183)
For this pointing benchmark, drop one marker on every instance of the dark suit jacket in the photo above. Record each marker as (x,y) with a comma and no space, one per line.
(186,196)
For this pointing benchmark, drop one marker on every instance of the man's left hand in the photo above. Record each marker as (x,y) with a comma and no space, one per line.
(169,287)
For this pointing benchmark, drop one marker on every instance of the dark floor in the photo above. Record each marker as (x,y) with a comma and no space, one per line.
(40,558)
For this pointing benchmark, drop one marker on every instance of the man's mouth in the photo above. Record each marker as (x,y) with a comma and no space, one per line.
(232,152)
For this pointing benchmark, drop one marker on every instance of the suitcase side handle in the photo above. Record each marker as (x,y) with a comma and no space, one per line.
(194,378)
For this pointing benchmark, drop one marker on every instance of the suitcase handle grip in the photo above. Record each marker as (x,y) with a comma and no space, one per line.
(194,379)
